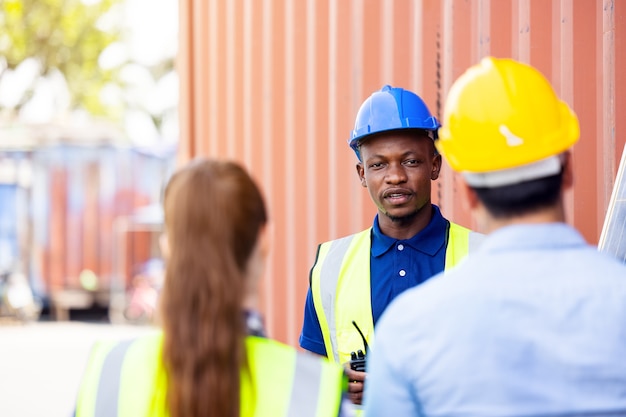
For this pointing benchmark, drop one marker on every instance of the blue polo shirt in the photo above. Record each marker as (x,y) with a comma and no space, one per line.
(395,266)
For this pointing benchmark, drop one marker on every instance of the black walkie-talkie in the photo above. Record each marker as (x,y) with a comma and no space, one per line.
(357,359)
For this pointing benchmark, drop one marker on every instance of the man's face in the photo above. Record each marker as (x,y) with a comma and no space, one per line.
(397,169)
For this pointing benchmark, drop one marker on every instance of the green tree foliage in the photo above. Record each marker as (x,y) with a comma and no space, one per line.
(64,36)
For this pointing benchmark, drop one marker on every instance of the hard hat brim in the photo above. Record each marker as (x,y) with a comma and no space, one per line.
(540,169)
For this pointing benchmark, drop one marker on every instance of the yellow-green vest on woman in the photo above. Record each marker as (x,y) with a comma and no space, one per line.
(127,379)
(340,285)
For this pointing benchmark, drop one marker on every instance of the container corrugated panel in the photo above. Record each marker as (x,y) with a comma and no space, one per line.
(276,85)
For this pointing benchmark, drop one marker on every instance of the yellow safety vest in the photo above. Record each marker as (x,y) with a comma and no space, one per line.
(340,285)
(127,379)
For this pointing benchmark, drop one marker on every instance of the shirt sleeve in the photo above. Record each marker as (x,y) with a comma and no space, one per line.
(311,337)
(346,408)
(388,391)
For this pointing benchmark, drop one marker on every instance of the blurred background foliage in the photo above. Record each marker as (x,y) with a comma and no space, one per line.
(63,59)
(62,37)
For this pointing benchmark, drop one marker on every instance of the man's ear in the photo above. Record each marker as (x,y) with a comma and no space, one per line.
(471,202)
(568,171)
(436,167)
(361,173)
(468,195)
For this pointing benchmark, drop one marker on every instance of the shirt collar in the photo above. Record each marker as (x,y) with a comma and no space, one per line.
(429,240)
(533,236)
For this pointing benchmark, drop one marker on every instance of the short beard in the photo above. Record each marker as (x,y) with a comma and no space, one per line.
(402,219)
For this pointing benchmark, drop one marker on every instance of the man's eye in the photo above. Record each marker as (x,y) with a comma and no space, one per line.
(411,162)
(376,165)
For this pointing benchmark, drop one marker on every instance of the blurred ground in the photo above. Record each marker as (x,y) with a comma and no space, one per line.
(41,363)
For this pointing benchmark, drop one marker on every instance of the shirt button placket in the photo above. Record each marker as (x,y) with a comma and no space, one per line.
(400,247)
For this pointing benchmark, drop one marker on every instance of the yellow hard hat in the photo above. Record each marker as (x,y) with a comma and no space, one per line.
(502,114)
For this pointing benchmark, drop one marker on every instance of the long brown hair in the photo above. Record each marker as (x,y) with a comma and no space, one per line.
(213,214)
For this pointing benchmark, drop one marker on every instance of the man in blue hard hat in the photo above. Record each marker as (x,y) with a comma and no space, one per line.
(354,278)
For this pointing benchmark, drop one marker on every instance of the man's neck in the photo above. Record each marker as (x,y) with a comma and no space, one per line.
(553,214)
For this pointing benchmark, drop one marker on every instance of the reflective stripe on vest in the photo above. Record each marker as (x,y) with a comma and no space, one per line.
(284,382)
(341,276)
(107,400)
(289,383)
(124,379)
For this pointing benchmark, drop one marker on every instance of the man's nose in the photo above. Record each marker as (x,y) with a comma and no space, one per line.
(396,174)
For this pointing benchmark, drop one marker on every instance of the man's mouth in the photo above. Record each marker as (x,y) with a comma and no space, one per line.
(397,198)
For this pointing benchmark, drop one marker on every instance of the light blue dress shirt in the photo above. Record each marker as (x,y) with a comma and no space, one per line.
(531,324)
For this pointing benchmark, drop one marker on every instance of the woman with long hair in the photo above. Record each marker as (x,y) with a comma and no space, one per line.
(211,357)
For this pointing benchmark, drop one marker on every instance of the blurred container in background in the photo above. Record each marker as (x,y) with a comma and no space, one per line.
(63,190)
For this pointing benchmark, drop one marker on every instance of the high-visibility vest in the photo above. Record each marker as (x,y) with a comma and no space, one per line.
(127,379)
(340,285)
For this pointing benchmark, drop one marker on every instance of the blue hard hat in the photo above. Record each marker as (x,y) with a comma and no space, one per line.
(391,108)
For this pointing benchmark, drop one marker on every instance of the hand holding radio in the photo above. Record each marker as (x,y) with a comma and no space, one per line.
(356,371)
(357,359)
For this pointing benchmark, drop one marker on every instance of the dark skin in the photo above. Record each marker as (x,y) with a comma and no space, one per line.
(397,168)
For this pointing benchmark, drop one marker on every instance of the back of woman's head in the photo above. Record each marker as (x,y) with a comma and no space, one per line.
(213,215)
(216,204)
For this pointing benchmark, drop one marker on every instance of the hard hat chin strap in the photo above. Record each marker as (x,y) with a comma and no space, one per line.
(540,169)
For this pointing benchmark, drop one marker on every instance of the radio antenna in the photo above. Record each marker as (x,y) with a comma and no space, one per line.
(363,337)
